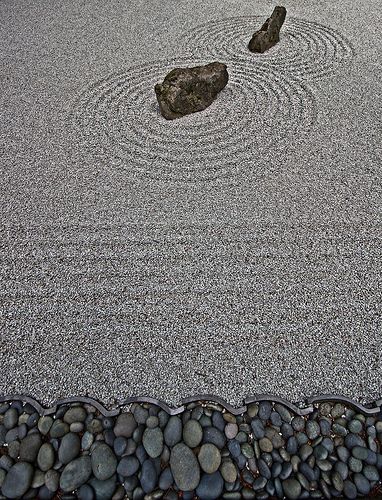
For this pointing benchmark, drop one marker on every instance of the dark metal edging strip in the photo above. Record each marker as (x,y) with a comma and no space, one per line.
(373,409)
(276,399)
(346,400)
(215,399)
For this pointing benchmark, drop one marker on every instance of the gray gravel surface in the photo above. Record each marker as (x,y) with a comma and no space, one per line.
(234,251)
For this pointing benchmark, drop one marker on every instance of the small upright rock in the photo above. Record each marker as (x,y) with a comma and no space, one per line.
(188,90)
(269,34)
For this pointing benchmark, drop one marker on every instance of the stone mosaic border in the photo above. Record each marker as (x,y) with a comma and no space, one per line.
(325,447)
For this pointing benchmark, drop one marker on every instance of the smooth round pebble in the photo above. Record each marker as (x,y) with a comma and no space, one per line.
(209,458)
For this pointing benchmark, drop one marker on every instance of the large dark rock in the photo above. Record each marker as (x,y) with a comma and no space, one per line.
(188,90)
(269,34)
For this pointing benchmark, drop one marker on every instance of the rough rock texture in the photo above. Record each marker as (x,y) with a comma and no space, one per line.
(269,34)
(188,90)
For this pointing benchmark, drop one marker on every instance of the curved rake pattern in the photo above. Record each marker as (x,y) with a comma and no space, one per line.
(307,49)
(120,115)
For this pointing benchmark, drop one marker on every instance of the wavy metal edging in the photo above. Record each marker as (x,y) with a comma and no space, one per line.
(348,401)
(275,399)
(215,399)
(374,408)
(153,401)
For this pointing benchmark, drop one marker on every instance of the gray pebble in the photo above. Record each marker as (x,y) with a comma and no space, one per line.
(298,424)
(302,438)
(153,442)
(339,430)
(205,421)
(338,410)
(173,431)
(192,433)
(11,435)
(292,445)
(360,452)
(265,409)
(292,488)
(362,484)
(295,461)
(257,427)
(284,413)
(253,410)
(355,465)
(264,470)
(231,430)
(352,440)
(103,462)
(350,490)
(18,479)
(305,451)
(325,426)
(11,418)
(2,476)
(29,448)
(152,422)
(209,458)
(234,448)
(184,467)
(141,454)
(276,419)
(303,481)
(210,486)
(125,425)
(75,414)
(286,470)
(38,479)
(120,445)
(46,457)
(342,469)
(76,473)
(307,471)
(312,429)
(276,469)
(214,436)
(14,449)
(337,481)
(166,479)
(103,489)
(52,480)
(355,426)
(76,427)
(371,473)
(259,483)
(343,453)
(287,430)
(324,465)
(325,408)
(228,471)
(266,445)
(87,440)
(69,448)
(247,450)
(86,492)
(44,424)
(140,414)
(6,462)
(218,420)
(59,429)
(94,426)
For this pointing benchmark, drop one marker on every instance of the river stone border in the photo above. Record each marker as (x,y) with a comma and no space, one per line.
(326,447)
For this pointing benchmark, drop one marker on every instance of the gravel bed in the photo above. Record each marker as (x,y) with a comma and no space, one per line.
(206,452)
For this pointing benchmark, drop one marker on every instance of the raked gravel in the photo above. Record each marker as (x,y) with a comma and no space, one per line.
(235,251)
